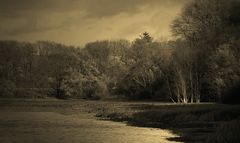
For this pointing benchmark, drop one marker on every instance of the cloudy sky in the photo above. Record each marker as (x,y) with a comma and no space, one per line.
(76,22)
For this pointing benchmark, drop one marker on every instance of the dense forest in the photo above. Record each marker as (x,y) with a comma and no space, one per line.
(201,63)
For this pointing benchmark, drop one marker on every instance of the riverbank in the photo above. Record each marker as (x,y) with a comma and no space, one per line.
(198,123)
(212,123)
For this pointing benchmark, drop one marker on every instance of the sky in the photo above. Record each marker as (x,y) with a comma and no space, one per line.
(77,22)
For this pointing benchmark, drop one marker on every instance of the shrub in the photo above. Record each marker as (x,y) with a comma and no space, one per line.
(86,87)
(7,88)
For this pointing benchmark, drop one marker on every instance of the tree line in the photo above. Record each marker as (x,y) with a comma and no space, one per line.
(200,64)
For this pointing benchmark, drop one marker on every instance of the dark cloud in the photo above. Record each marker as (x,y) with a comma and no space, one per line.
(20,17)
(29,26)
(92,7)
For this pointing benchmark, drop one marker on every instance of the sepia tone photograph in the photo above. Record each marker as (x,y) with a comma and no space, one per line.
(119,71)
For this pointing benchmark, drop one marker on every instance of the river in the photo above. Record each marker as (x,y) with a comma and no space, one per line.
(54,127)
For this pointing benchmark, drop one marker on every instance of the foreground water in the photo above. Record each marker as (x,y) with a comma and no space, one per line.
(53,127)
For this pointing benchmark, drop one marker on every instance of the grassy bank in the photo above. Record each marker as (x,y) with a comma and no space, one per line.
(213,123)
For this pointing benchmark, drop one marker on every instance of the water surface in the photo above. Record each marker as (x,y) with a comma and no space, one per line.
(54,127)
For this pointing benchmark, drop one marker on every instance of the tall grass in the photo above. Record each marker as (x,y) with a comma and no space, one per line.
(195,123)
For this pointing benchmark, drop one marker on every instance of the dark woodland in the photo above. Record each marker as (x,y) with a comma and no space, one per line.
(201,65)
